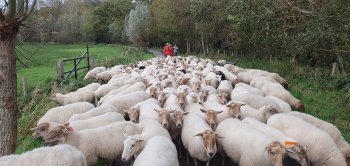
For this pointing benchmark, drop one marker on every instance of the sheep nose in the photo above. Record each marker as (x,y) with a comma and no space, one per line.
(134,121)
(239,117)
(212,124)
(178,125)
(165,125)
(123,159)
(211,154)
(225,102)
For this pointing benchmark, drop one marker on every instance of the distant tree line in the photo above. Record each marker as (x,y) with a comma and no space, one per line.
(311,31)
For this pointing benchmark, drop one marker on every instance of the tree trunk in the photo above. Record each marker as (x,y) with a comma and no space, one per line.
(8,89)
(203,46)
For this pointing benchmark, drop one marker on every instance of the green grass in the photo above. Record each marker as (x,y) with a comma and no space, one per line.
(42,83)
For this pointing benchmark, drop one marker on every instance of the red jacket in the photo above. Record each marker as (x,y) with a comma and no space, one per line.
(168,50)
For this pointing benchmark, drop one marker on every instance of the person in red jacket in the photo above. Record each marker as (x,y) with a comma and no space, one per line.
(168,50)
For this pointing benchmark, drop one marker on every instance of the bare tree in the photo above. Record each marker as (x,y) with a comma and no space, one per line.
(12,14)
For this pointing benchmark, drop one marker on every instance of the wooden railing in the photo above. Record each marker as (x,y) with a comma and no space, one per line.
(61,74)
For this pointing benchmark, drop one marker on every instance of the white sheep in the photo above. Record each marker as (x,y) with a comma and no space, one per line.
(74,97)
(95,112)
(92,73)
(133,144)
(225,86)
(144,110)
(158,151)
(250,88)
(77,125)
(293,148)
(112,93)
(228,75)
(55,155)
(234,69)
(63,113)
(91,87)
(138,86)
(331,129)
(221,62)
(284,106)
(247,146)
(261,114)
(255,101)
(321,148)
(104,142)
(124,102)
(198,138)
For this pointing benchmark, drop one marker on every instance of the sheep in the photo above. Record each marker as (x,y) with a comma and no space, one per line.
(123,102)
(245,77)
(91,87)
(238,140)
(250,88)
(176,122)
(273,76)
(162,96)
(213,79)
(261,114)
(112,93)
(63,113)
(107,75)
(255,101)
(274,89)
(198,138)
(234,69)
(176,99)
(284,106)
(153,91)
(133,145)
(225,86)
(74,97)
(219,98)
(55,155)
(144,110)
(228,75)
(78,125)
(221,62)
(138,86)
(293,148)
(92,73)
(329,128)
(208,114)
(233,111)
(95,112)
(321,148)
(158,151)
(105,142)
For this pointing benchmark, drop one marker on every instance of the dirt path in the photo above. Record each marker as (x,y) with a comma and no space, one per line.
(156,53)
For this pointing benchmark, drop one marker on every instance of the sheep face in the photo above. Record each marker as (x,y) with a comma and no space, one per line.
(153,91)
(177,118)
(181,98)
(133,114)
(235,110)
(58,134)
(208,142)
(207,82)
(298,153)
(204,94)
(196,86)
(301,107)
(132,145)
(163,117)
(222,97)
(162,98)
(275,152)
(211,117)
(268,111)
(41,130)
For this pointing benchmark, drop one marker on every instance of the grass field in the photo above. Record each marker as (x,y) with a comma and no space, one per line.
(324,96)
(42,64)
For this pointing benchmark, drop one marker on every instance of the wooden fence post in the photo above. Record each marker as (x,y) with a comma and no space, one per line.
(91,62)
(334,69)
(25,87)
(60,70)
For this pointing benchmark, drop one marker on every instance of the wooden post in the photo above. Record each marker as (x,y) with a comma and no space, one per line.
(60,70)
(334,69)
(25,87)
(75,69)
(91,62)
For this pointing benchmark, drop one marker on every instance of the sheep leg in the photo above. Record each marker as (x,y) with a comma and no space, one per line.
(187,159)
(222,161)
(207,163)
(195,162)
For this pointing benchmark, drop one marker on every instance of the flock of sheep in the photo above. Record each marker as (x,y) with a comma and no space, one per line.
(210,108)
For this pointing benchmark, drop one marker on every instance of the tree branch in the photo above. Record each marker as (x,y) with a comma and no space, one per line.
(11,10)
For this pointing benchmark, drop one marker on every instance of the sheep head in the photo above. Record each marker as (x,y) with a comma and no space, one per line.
(298,153)
(204,94)
(181,98)
(222,97)
(300,106)
(153,91)
(208,142)
(163,117)
(162,98)
(268,111)
(41,130)
(177,117)
(211,117)
(132,145)
(276,153)
(234,109)
(133,114)
(58,134)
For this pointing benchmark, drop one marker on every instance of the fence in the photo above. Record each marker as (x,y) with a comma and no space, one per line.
(61,74)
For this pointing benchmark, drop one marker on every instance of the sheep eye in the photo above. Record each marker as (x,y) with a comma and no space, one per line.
(132,145)
(273,154)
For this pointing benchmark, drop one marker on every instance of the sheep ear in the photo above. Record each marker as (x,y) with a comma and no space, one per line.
(290,151)
(198,134)
(204,111)
(157,110)
(218,112)
(185,113)
(34,128)
(139,139)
